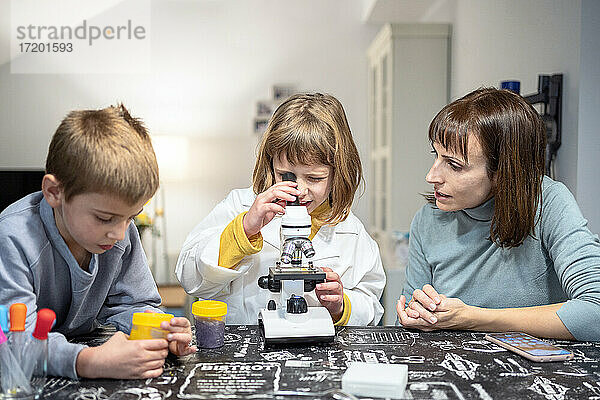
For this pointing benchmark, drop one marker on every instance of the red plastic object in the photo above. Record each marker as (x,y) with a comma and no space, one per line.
(45,320)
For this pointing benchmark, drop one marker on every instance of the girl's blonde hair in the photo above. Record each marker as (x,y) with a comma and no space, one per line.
(312,129)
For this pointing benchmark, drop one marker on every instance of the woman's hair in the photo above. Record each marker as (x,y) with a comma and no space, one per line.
(103,151)
(513,139)
(312,129)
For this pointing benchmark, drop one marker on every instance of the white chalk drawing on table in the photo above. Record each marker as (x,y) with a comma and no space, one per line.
(147,393)
(571,370)
(574,344)
(443,344)
(383,338)
(302,363)
(548,389)
(594,388)
(230,380)
(282,355)
(319,376)
(416,375)
(461,367)
(408,359)
(332,357)
(483,394)
(230,338)
(243,349)
(55,384)
(512,368)
(99,393)
(482,346)
(579,356)
(169,375)
(433,390)
(93,393)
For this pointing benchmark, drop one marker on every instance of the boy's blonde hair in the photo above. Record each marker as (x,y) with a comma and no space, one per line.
(312,129)
(103,151)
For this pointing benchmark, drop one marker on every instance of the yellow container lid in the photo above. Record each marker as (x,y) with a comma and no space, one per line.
(150,319)
(209,308)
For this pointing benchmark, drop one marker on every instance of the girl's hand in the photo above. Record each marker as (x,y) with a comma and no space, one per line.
(268,204)
(331,294)
(180,336)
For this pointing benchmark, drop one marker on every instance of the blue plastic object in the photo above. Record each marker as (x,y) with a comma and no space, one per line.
(514,86)
(4,318)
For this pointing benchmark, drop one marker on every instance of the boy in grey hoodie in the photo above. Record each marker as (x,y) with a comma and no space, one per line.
(72,247)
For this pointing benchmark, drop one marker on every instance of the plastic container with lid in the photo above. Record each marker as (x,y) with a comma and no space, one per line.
(147,326)
(209,320)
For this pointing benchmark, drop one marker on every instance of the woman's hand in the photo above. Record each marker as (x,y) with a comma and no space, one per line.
(331,294)
(429,310)
(424,303)
(268,204)
(410,319)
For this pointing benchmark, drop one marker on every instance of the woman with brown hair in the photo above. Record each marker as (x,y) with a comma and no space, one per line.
(500,246)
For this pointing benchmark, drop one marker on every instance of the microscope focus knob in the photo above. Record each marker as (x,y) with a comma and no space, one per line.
(271,305)
(297,305)
(263,282)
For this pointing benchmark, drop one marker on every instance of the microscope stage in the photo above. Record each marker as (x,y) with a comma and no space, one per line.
(315,326)
(297,273)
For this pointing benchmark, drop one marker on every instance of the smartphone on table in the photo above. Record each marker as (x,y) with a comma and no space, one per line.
(529,347)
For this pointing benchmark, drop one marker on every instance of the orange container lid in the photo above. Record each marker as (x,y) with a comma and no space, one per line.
(18,313)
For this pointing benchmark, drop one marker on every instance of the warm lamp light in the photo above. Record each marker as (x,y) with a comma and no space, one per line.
(172,154)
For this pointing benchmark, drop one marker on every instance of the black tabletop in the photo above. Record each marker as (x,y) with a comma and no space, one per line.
(441,365)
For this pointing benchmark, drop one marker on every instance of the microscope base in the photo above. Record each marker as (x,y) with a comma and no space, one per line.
(313,327)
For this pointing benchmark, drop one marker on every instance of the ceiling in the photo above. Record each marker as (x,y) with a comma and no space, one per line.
(407,11)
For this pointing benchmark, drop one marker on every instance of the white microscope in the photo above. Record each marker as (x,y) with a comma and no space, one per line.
(291,320)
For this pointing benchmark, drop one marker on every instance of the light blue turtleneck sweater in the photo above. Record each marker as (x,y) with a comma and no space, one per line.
(450,251)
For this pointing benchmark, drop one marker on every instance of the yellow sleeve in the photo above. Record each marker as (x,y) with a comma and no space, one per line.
(235,245)
(346,314)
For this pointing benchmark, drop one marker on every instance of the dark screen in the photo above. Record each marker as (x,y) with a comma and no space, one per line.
(17,184)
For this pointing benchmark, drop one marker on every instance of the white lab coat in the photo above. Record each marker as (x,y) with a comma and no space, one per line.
(346,248)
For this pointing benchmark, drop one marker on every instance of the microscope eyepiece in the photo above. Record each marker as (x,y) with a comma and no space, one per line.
(290,176)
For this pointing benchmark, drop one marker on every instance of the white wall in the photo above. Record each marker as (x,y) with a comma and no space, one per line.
(588,165)
(513,39)
(211,62)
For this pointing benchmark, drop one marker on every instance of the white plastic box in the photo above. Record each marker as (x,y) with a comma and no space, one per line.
(375,380)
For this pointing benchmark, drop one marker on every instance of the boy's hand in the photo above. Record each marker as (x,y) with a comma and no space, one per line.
(331,294)
(268,204)
(121,358)
(180,336)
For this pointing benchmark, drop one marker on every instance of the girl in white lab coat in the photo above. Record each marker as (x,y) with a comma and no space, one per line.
(226,254)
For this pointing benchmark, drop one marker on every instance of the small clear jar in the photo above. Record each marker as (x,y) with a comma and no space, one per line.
(209,321)
(147,326)
(14,385)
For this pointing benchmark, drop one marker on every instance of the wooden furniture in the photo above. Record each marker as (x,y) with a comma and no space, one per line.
(408,84)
